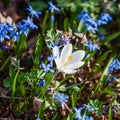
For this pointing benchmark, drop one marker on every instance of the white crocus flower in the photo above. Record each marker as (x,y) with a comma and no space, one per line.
(67,61)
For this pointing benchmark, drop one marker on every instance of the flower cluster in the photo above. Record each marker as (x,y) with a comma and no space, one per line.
(92,24)
(9,31)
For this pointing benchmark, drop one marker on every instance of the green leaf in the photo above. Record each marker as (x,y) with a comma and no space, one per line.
(38,49)
(110,112)
(109,91)
(111,37)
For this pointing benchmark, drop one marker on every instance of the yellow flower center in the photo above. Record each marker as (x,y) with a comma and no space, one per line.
(69,58)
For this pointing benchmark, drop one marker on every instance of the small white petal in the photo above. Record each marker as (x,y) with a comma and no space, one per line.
(75,65)
(66,51)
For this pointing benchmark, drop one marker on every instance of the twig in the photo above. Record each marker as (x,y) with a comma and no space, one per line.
(8,97)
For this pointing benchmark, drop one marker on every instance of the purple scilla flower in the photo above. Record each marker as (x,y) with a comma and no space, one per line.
(53,7)
(65,40)
(50,59)
(42,82)
(32,12)
(104,19)
(47,68)
(60,97)
(4,47)
(78,115)
(92,47)
(101,36)
(115,65)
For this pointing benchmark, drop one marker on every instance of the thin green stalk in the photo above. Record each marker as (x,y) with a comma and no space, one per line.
(14,87)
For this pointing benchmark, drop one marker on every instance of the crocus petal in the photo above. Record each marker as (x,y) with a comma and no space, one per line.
(76,56)
(75,65)
(66,51)
(69,71)
(56,54)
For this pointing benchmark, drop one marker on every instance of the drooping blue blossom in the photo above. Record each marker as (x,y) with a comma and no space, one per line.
(51,59)
(60,97)
(87,56)
(47,68)
(104,19)
(53,7)
(92,47)
(4,47)
(42,82)
(115,65)
(38,119)
(32,12)
(101,36)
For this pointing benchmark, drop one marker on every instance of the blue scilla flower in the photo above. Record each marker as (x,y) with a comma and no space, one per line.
(42,82)
(29,23)
(88,118)
(53,7)
(115,65)
(4,32)
(78,111)
(50,59)
(38,119)
(79,116)
(104,19)
(32,12)
(14,34)
(101,36)
(23,29)
(60,97)
(4,47)
(91,25)
(84,15)
(92,47)
(47,68)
